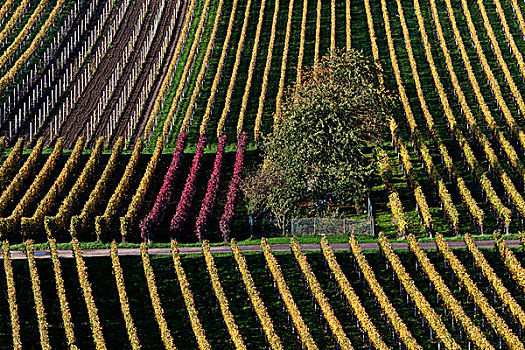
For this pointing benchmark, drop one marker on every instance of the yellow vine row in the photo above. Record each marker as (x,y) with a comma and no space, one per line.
(9,76)
(518,13)
(170,72)
(301,44)
(301,327)
(352,297)
(187,295)
(284,61)
(11,296)
(19,12)
(264,86)
(8,196)
(503,65)
(510,39)
(37,186)
(11,224)
(415,294)
(398,215)
(317,33)
(94,321)
(332,25)
(111,211)
(251,69)
(220,67)
(9,164)
(492,317)
(348,25)
(37,294)
(101,186)
(474,209)
(59,221)
(221,297)
(5,7)
(15,16)
(204,67)
(31,224)
(371,31)
(472,78)
(501,210)
(496,283)
(123,297)
(233,77)
(320,297)
(67,321)
(167,339)
(255,298)
(511,262)
(473,332)
(186,71)
(407,167)
(136,202)
(506,146)
(393,317)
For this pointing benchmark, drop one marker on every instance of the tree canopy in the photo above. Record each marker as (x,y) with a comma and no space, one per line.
(314,160)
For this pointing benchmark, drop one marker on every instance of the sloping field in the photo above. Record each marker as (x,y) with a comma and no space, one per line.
(153,110)
(136,120)
(416,299)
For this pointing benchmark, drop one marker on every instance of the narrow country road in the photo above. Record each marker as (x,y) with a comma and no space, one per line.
(17,254)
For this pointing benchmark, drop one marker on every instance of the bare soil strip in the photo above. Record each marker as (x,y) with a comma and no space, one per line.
(25,129)
(74,125)
(115,58)
(141,81)
(133,100)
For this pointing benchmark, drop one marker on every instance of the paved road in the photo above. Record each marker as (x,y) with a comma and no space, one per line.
(250,248)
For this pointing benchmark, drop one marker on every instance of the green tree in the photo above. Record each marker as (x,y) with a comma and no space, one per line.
(314,160)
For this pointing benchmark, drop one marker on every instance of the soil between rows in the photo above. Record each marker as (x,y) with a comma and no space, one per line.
(74,126)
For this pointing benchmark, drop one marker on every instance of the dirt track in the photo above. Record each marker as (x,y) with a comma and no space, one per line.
(252,248)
